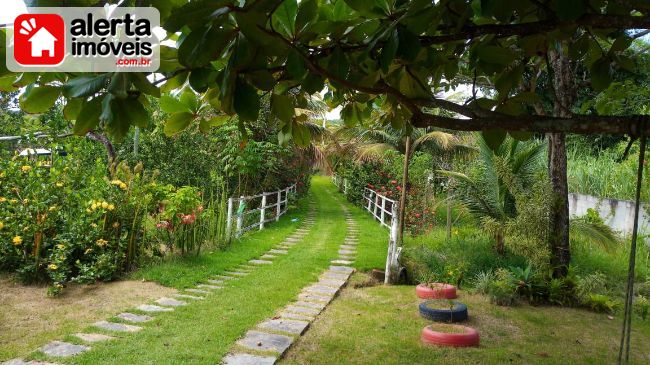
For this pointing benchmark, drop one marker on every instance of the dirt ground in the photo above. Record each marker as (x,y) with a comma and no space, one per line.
(29,319)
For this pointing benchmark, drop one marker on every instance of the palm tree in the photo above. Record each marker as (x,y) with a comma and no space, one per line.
(504,177)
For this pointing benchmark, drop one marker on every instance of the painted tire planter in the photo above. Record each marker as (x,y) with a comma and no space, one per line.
(436,291)
(442,310)
(463,336)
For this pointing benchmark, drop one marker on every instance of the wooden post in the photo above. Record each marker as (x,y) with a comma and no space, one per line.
(392,265)
(278,207)
(383,209)
(262,211)
(240,215)
(374,209)
(370,199)
(345,186)
(229,220)
(402,199)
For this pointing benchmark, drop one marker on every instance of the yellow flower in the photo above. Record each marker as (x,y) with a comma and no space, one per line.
(88,210)
(2,199)
(2,174)
(13,201)
(115,225)
(123,186)
(2,225)
(94,206)
(26,168)
(101,242)
(105,205)
(117,182)
(88,250)
(17,240)
(25,201)
(52,208)
(59,184)
(94,225)
(52,267)
(111,207)
(60,246)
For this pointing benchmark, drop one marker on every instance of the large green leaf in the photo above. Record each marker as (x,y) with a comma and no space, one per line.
(143,84)
(301,135)
(494,138)
(282,107)
(204,45)
(246,101)
(295,65)
(601,75)
(120,84)
(307,12)
(284,18)
(39,99)
(178,122)
(206,124)
(169,104)
(133,110)
(496,55)
(88,117)
(338,64)
(72,108)
(85,85)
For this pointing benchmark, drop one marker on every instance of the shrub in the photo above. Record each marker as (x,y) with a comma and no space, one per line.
(482,281)
(601,303)
(68,222)
(503,290)
(642,307)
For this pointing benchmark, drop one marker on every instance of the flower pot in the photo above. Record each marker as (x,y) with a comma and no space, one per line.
(442,310)
(436,291)
(461,336)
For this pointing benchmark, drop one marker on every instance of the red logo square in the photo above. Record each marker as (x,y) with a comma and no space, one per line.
(39,39)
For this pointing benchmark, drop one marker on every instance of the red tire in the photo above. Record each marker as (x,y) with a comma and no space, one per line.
(468,338)
(436,291)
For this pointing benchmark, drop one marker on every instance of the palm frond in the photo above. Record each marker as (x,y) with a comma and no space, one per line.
(372,151)
(597,233)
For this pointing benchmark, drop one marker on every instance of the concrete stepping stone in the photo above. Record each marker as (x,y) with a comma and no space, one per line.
(344,269)
(332,282)
(197,291)
(268,256)
(302,317)
(153,308)
(93,337)
(348,247)
(335,275)
(302,310)
(347,258)
(321,289)
(135,318)
(345,251)
(260,262)
(63,349)
(312,305)
(223,277)
(170,302)
(238,273)
(315,297)
(23,362)
(209,286)
(186,296)
(291,326)
(292,239)
(261,341)
(342,262)
(215,281)
(248,359)
(288,243)
(281,252)
(117,327)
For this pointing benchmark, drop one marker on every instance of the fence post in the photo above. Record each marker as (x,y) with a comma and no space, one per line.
(345,186)
(392,264)
(240,215)
(262,211)
(383,209)
(374,209)
(278,207)
(229,220)
(370,199)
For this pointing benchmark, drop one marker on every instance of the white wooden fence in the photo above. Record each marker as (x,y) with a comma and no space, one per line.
(385,210)
(255,211)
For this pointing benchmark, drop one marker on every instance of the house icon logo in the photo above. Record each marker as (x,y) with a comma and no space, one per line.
(39,39)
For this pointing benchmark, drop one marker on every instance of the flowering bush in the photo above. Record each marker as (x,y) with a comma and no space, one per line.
(67,222)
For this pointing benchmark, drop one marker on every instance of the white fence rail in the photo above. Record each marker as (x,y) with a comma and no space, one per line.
(385,211)
(254,211)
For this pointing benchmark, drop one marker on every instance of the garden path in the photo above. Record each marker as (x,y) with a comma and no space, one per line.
(323,240)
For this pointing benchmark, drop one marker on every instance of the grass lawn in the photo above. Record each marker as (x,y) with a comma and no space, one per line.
(203,332)
(381,325)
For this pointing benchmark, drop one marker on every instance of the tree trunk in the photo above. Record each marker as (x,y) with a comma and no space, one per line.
(402,198)
(110,150)
(557,164)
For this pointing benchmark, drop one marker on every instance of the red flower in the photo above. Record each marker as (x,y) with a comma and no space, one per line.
(393,182)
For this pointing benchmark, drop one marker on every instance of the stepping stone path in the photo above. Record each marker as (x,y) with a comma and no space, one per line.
(278,333)
(292,323)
